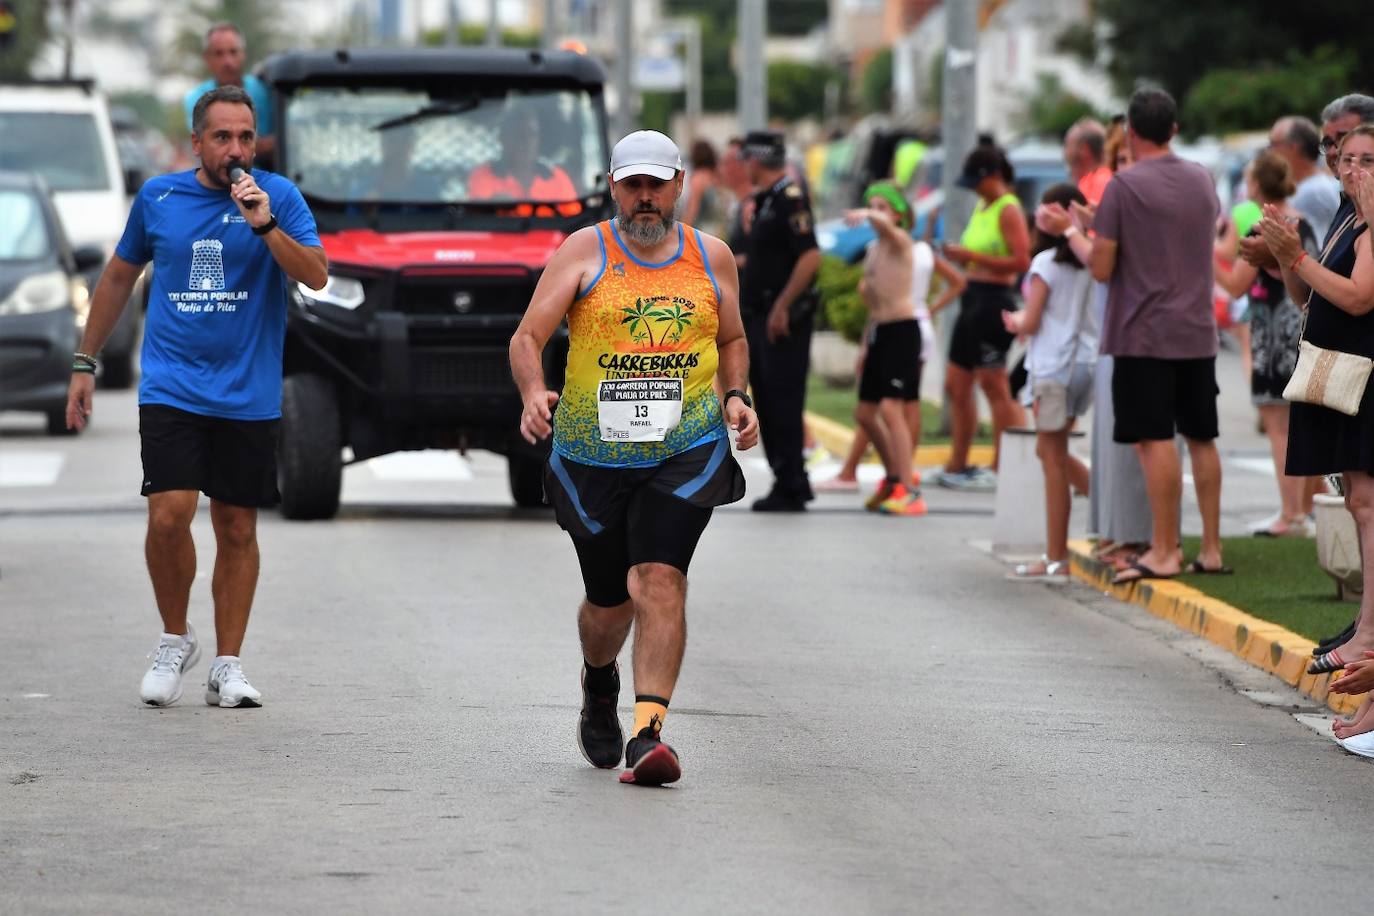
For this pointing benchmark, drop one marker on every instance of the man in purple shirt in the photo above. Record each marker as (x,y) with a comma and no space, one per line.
(1155,228)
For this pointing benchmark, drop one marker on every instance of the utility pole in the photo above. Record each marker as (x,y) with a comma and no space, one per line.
(493,24)
(959,133)
(752,98)
(451,33)
(688,29)
(624,59)
(551,29)
(959,108)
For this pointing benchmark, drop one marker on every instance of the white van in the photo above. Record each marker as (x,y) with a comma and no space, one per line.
(62,131)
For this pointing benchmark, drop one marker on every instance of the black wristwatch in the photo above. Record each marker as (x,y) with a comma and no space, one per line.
(736,393)
(265,227)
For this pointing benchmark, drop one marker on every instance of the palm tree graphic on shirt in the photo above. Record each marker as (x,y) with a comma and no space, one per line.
(644,314)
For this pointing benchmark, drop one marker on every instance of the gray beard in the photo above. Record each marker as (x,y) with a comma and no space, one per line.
(646,234)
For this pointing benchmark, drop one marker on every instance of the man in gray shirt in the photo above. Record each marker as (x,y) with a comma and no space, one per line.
(1155,229)
(1298,141)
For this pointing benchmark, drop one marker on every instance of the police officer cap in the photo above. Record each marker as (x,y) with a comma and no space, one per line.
(767,146)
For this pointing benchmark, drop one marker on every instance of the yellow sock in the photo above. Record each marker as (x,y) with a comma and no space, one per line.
(650,711)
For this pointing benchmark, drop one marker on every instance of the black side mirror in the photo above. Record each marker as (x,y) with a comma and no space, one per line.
(133,180)
(88,257)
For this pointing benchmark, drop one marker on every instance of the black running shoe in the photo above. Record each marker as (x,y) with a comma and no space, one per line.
(599,737)
(650,762)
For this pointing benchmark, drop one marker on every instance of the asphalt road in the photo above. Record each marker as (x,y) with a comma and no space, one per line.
(871,720)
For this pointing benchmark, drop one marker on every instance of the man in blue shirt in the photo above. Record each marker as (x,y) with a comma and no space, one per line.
(210,396)
(225,53)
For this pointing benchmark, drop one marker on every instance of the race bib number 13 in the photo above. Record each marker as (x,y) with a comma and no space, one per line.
(638,409)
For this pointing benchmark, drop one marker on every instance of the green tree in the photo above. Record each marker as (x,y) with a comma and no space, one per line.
(1178,42)
(875,85)
(1051,109)
(1244,99)
(476,34)
(28,38)
(796,90)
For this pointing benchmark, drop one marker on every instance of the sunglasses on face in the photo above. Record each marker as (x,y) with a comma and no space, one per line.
(1330,143)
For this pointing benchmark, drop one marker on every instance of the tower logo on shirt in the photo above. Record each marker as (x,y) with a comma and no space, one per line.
(207,265)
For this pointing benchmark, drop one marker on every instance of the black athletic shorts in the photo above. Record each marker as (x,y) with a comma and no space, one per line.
(233,461)
(892,367)
(1154,397)
(621,517)
(980,340)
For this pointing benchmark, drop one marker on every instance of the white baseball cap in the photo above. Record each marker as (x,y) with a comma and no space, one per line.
(645,152)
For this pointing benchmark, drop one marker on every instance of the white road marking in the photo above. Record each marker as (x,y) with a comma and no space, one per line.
(432,465)
(30,469)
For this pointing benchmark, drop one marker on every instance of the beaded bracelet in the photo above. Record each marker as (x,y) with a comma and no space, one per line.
(85,358)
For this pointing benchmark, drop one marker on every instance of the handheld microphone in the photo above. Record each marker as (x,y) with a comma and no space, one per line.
(236,174)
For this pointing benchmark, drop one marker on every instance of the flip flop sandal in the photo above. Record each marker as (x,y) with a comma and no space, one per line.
(1142,572)
(1326,663)
(1198,569)
(1054,572)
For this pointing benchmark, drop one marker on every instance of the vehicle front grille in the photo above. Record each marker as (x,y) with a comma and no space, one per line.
(462,296)
(468,370)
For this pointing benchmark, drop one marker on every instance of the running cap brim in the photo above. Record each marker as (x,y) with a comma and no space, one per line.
(645,152)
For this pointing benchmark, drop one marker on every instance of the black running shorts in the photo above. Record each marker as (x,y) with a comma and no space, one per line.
(1154,397)
(619,518)
(980,340)
(892,366)
(233,461)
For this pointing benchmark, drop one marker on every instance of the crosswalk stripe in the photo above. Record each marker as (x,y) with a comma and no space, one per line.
(30,469)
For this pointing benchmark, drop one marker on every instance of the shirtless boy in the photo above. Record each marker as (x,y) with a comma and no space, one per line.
(891,376)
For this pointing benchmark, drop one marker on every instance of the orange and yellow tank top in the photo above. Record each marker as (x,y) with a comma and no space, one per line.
(641,357)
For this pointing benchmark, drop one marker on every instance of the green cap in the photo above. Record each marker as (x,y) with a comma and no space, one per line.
(889,192)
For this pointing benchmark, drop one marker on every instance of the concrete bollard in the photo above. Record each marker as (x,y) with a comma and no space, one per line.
(1019,513)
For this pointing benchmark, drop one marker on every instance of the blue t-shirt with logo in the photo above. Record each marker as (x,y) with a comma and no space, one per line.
(257,91)
(216,323)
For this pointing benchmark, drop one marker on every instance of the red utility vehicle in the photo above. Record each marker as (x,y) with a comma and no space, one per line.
(442,181)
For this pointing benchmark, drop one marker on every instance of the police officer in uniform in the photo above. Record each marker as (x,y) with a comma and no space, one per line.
(778,300)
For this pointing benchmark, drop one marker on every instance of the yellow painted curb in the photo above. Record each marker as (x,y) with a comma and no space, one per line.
(836,437)
(1265,645)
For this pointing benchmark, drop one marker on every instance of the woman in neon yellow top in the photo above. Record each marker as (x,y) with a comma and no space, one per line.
(994,251)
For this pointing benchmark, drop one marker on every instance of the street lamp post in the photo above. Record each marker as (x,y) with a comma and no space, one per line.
(624,60)
(753,77)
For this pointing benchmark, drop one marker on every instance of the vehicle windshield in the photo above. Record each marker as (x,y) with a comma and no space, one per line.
(412,146)
(23,231)
(63,148)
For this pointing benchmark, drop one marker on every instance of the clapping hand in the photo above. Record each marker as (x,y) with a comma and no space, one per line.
(1358,677)
(1364,191)
(1052,219)
(1280,234)
(1083,215)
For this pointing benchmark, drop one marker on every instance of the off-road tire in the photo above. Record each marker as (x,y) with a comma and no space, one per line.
(310,448)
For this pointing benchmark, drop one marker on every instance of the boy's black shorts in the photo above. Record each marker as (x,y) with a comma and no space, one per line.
(233,461)
(621,517)
(892,367)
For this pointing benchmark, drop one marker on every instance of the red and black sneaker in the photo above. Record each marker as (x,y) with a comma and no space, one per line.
(650,762)
(598,728)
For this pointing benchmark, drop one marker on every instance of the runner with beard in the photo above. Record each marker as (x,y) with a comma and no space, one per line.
(641,448)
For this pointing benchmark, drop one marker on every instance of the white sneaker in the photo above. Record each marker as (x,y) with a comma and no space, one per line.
(1265,524)
(172,657)
(227,687)
(1359,744)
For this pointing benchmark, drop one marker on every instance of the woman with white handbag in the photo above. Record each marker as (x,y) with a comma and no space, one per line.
(1331,424)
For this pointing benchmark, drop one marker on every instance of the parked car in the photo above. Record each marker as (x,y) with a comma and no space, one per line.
(406,347)
(62,131)
(43,300)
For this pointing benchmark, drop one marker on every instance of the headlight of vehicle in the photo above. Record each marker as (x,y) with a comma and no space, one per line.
(81,300)
(44,292)
(343,292)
